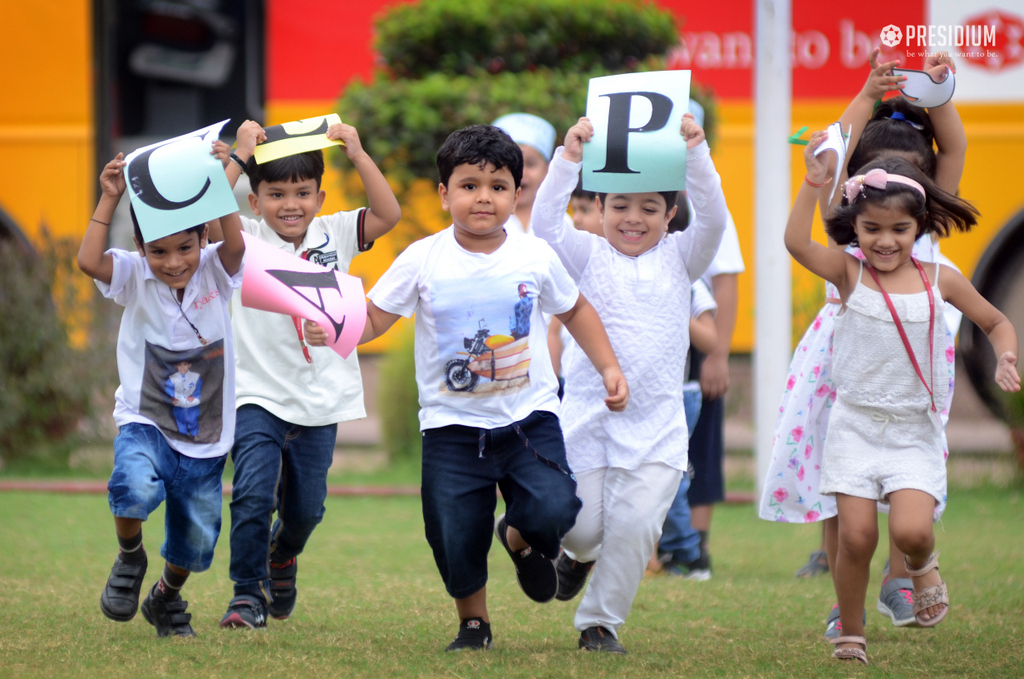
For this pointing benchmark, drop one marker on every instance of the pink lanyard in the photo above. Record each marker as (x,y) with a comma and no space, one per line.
(903,334)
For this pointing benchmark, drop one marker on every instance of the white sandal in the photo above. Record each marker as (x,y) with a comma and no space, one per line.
(930,596)
(860,654)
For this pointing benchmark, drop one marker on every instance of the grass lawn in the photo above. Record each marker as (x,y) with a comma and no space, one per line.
(371,604)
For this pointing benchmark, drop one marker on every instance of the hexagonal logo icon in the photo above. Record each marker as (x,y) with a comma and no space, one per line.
(891,35)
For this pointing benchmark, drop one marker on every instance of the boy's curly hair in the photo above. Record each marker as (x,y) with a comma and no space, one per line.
(935,212)
(910,134)
(479,145)
(296,168)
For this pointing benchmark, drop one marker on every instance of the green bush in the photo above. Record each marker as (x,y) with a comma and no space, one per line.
(402,123)
(46,387)
(458,37)
(398,399)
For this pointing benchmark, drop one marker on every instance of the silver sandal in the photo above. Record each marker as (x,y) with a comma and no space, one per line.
(930,596)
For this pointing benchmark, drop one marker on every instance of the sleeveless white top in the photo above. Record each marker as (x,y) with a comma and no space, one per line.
(871,367)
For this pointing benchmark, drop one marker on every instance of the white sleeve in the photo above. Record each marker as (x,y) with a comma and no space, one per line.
(250,225)
(728,259)
(700,241)
(128,269)
(558,293)
(701,299)
(548,217)
(348,228)
(397,291)
(226,283)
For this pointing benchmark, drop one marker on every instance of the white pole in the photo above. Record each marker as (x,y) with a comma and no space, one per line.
(773,90)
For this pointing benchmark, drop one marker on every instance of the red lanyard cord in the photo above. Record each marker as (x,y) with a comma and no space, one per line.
(903,334)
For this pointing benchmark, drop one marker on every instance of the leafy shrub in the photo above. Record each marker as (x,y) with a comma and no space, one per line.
(46,387)
(459,37)
(402,123)
(398,398)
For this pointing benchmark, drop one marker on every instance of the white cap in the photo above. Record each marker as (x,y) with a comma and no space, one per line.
(526,128)
(698,112)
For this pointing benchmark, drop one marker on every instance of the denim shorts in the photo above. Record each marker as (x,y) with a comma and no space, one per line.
(147,472)
(461,467)
(707,447)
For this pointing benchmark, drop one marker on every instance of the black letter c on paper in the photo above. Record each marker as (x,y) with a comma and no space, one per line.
(142,185)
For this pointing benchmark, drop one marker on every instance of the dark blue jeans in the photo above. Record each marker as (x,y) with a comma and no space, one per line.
(462,465)
(279,466)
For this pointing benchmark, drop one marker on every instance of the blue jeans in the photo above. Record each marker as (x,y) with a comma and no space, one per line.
(148,471)
(462,465)
(678,535)
(279,466)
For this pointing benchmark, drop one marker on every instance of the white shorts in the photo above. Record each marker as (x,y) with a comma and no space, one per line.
(871,453)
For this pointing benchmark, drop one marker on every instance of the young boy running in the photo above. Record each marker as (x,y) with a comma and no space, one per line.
(290,397)
(488,400)
(175,294)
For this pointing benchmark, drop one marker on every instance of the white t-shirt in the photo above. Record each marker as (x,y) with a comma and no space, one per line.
(157,349)
(481,342)
(514,223)
(701,300)
(273,372)
(728,259)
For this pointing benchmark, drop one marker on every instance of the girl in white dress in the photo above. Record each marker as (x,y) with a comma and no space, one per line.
(885,435)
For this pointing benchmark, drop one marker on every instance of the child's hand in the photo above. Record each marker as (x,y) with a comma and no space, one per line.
(935,65)
(315,335)
(618,390)
(1006,372)
(348,136)
(691,131)
(578,134)
(817,166)
(249,134)
(112,177)
(880,79)
(221,151)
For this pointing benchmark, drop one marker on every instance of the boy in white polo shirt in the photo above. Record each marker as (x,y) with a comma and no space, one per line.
(290,396)
(175,294)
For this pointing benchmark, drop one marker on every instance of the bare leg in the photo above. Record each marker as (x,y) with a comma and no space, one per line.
(830,541)
(910,524)
(858,537)
(700,517)
(897,567)
(515,541)
(473,606)
(127,528)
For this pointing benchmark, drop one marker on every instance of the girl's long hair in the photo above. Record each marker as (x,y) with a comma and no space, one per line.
(913,136)
(936,212)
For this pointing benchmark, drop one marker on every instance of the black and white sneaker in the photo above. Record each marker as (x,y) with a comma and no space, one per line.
(168,616)
(536,573)
(600,639)
(572,575)
(245,611)
(474,635)
(120,598)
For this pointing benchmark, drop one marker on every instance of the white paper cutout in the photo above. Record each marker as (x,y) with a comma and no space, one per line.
(836,142)
(920,90)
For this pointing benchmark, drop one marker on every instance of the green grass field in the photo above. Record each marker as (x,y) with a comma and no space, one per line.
(371,604)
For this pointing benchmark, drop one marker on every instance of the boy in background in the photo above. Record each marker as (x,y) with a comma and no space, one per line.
(291,397)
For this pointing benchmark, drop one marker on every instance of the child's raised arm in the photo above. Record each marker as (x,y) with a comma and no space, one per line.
(232,250)
(384,210)
(586,328)
(827,263)
(93,259)
(950,137)
(959,292)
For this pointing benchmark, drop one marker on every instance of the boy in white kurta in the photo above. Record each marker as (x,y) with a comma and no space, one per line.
(638,278)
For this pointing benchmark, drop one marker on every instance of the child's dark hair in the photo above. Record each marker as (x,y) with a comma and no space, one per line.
(137,232)
(669,196)
(297,168)
(580,192)
(897,126)
(935,212)
(681,219)
(479,145)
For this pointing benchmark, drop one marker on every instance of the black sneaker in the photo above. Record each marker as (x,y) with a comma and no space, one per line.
(120,598)
(245,611)
(168,616)
(600,639)
(474,635)
(536,573)
(572,575)
(282,589)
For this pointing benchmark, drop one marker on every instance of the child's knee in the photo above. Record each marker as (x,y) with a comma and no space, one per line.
(858,540)
(914,539)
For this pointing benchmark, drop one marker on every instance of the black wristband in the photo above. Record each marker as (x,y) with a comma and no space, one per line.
(238,161)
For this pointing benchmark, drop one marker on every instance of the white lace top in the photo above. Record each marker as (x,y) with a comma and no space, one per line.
(644,303)
(870,364)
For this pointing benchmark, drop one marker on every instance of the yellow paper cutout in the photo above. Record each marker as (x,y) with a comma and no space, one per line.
(298,136)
